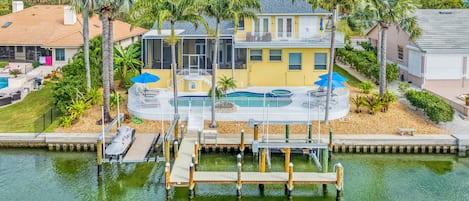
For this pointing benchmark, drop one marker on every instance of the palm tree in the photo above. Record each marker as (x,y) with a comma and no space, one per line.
(224,84)
(86,8)
(108,10)
(389,13)
(333,6)
(172,11)
(223,10)
(127,59)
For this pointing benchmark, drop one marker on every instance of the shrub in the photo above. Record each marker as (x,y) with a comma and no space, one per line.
(358,102)
(36,64)
(15,72)
(387,99)
(373,102)
(366,87)
(113,99)
(93,96)
(3,64)
(403,87)
(436,109)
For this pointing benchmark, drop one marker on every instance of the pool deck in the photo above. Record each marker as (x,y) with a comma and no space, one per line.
(302,108)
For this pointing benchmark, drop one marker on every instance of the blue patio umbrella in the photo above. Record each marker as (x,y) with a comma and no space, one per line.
(335,83)
(145,78)
(335,76)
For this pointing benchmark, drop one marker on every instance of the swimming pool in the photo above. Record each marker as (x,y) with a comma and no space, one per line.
(3,82)
(240,98)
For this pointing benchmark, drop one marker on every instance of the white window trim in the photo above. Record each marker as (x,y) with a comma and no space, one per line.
(261,24)
(285,27)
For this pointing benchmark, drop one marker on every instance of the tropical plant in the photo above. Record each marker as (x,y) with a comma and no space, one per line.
(397,13)
(403,87)
(93,96)
(127,59)
(373,102)
(387,99)
(86,9)
(36,64)
(15,72)
(116,99)
(226,10)
(108,10)
(366,87)
(359,19)
(440,4)
(332,6)
(226,83)
(357,101)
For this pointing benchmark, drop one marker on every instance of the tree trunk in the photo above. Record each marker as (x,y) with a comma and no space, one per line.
(86,46)
(382,66)
(173,67)
(111,54)
(213,124)
(105,70)
(331,67)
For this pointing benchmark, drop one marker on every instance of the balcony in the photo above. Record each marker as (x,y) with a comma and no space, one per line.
(286,39)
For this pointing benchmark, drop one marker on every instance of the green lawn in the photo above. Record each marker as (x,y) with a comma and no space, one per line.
(20,116)
(351,79)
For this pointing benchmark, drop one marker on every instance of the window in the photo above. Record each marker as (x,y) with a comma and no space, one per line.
(294,61)
(60,54)
(275,55)
(400,52)
(320,61)
(262,25)
(284,27)
(241,24)
(256,55)
(19,48)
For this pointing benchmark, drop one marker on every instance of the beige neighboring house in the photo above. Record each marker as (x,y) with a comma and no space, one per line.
(439,55)
(52,34)
(437,61)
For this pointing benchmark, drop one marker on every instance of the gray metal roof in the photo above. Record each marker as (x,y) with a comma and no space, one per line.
(226,27)
(446,29)
(287,7)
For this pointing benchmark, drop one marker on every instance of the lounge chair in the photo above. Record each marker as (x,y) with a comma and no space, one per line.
(145,101)
(7,69)
(147,92)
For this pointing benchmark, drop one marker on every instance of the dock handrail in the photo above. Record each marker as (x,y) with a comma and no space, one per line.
(169,134)
(152,148)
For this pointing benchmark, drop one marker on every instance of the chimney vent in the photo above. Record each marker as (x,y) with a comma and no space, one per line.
(70,17)
(17,6)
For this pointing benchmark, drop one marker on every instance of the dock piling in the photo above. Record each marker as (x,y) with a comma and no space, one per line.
(290,179)
(238,182)
(99,152)
(310,133)
(287,159)
(339,185)
(167,171)
(176,131)
(263,155)
(191,180)
(287,132)
(256,132)
(196,154)
(167,155)
(176,148)
(241,146)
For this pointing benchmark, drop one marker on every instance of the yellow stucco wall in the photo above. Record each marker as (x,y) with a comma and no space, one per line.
(276,73)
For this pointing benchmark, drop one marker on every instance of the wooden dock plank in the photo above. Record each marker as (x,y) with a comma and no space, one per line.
(265,178)
(180,169)
(139,148)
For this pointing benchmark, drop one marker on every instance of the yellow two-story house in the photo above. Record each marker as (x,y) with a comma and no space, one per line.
(287,45)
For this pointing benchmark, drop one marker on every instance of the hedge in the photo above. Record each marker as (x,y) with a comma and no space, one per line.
(366,63)
(436,109)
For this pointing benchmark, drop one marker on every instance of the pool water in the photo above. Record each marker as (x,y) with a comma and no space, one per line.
(36,174)
(3,82)
(240,98)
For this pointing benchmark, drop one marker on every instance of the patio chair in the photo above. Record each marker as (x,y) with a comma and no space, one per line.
(145,101)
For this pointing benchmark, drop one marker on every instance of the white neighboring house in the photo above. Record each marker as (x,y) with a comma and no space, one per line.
(52,34)
(439,57)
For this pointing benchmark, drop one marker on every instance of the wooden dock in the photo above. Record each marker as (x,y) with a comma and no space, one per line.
(180,170)
(139,149)
(264,178)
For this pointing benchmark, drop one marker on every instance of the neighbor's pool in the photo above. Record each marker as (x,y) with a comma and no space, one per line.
(240,98)
(3,82)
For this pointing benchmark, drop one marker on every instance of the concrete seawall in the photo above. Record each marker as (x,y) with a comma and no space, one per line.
(372,143)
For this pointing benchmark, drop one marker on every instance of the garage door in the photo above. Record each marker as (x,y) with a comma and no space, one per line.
(444,66)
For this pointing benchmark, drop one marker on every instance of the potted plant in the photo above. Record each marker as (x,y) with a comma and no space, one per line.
(467,100)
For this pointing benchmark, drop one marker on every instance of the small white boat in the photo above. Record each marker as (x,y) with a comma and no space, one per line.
(121,143)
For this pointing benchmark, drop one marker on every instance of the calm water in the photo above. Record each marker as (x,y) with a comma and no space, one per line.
(41,175)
